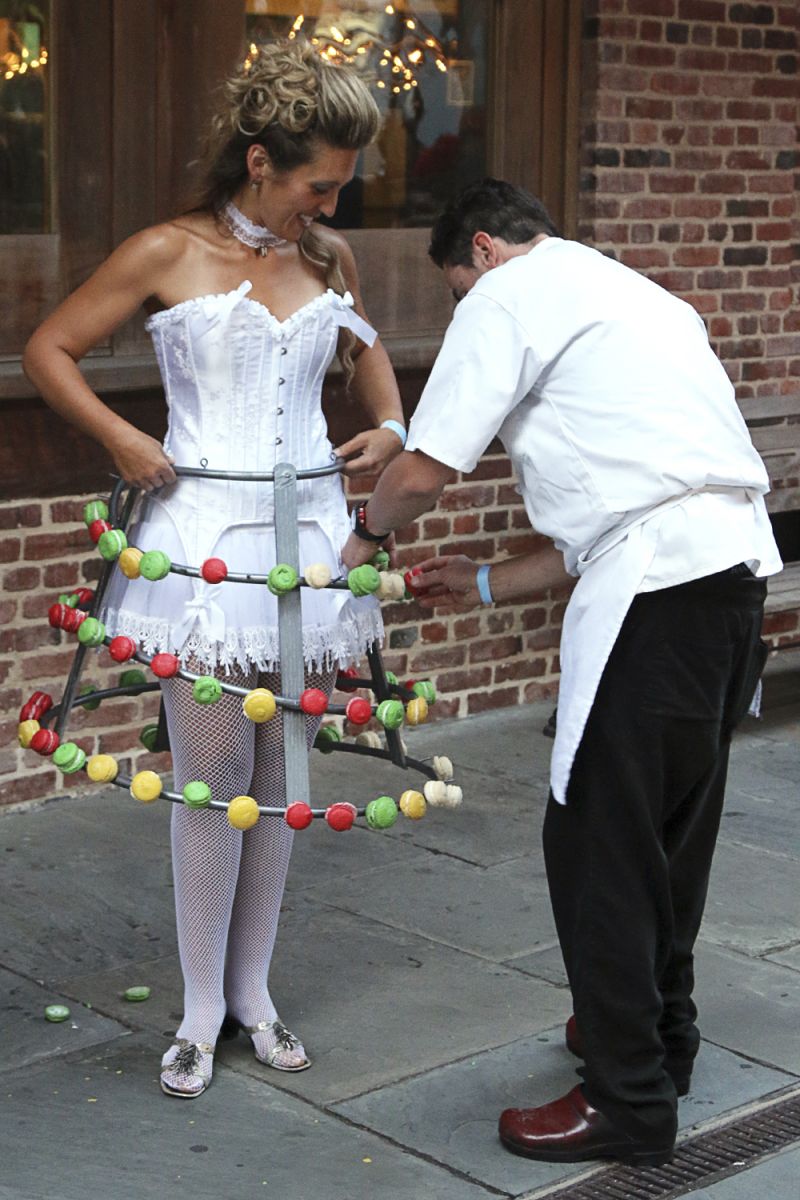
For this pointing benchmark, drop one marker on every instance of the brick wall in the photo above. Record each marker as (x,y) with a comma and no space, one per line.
(689,167)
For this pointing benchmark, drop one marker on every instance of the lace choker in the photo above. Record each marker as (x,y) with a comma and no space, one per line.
(244,230)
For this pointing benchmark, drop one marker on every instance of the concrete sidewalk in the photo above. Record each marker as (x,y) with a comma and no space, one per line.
(420,967)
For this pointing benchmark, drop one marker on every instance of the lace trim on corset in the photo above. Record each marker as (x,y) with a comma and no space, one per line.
(257,646)
(178,311)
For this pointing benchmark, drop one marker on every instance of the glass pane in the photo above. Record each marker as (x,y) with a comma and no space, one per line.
(426,62)
(24,117)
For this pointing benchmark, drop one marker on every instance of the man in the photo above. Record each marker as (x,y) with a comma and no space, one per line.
(632,456)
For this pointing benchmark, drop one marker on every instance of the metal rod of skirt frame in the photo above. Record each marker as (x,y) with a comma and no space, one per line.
(290,636)
(99,592)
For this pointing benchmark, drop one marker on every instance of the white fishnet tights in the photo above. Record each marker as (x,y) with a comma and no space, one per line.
(228,884)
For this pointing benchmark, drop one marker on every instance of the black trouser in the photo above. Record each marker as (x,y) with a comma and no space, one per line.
(628,857)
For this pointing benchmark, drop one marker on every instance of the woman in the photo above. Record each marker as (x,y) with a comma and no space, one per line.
(254,300)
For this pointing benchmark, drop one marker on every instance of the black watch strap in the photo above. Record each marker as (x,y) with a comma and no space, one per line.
(360,526)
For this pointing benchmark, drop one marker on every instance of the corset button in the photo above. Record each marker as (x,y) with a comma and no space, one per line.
(278,441)
(284,350)
(280,381)
(279,412)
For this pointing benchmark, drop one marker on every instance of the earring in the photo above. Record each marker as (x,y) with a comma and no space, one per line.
(255,184)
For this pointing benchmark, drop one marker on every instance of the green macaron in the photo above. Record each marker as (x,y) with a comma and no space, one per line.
(364,580)
(91,632)
(390,713)
(111,544)
(95,510)
(154,564)
(381,813)
(207,690)
(197,794)
(69,758)
(281,579)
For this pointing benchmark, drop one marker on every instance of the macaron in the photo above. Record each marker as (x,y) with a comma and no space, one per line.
(112,543)
(83,596)
(390,713)
(443,766)
(347,679)
(56,1012)
(363,580)
(72,620)
(243,812)
(69,758)
(68,598)
(149,736)
(91,632)
(442,795)
(137,993)
(34,708)
(197,794)
(381,813)
(97,528)
(417,711)
(56,614)
(164,665)
(391,678)
(392,586)
(214,570)
(95,510)
(129,562)
(380,560)
(424,689)
(207,689)
(146,786)
(327,737)
(340,816)
(318,575)
(154,565)
(369,739)
(89,705)
(314,702)
(45,741)
(259,705)
(26,732)
(281,579)
(413,804)
(102,768)
(298,815)
(411,579)
(132,677)
(122,648)
(358,710)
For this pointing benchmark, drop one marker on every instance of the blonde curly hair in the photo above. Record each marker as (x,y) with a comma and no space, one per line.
(289,101)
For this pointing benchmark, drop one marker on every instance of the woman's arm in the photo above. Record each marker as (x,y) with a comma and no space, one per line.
(114,293)
(374,386)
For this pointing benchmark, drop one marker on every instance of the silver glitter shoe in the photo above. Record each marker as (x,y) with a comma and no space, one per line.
(284,1040)
(187,1068)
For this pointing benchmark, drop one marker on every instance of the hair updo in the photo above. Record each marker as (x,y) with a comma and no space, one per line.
(291,102)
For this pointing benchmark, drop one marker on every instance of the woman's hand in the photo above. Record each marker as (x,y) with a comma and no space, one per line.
(370,452)
(141,460)
(448,580)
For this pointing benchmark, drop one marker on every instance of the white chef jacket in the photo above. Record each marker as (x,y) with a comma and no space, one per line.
(624,433)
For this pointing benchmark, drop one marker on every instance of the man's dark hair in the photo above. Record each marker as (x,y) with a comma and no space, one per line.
(491,206)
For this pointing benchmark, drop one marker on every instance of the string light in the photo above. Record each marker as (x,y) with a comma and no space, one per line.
(403,53)
(13,63)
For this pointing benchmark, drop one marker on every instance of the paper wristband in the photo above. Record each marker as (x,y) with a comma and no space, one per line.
(395,427)
(482,584)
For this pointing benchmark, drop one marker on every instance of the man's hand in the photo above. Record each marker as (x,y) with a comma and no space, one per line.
(370,452)
(356,551)
(448,580)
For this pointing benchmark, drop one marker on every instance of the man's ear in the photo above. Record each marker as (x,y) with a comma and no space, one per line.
(484,250)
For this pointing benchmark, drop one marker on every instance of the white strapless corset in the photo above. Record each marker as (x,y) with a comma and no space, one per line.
(244,394)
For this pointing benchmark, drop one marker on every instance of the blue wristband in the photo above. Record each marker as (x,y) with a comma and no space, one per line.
(482,584)
(395,427)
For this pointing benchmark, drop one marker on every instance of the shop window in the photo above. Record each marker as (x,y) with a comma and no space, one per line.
(25,181)
(427,64)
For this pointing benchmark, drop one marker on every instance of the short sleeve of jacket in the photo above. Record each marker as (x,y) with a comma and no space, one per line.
(484,368)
